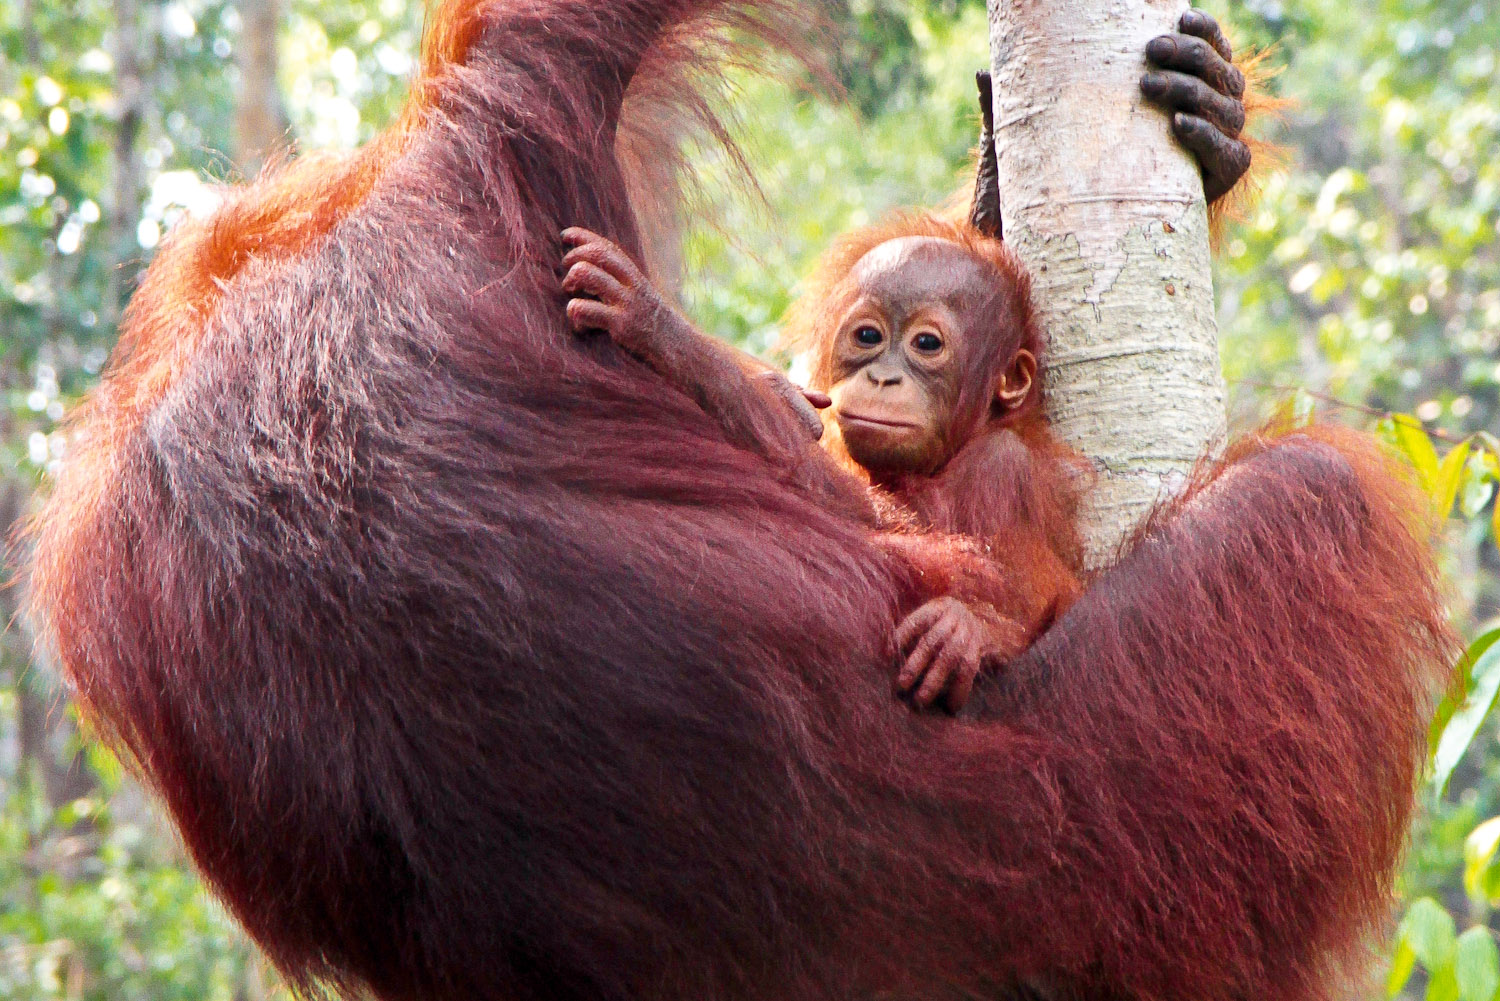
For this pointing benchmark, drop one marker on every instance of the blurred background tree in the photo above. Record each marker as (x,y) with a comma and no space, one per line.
(1366,278)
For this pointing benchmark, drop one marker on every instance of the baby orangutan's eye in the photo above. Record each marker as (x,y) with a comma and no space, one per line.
(928,343)
(868,337)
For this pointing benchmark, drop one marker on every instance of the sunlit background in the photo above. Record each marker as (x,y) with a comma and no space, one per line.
(1367,278)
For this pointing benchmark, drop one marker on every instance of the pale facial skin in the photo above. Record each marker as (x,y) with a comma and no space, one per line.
(918,308)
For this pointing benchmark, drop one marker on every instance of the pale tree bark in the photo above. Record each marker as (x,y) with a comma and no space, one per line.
(261,123)
(1107,212)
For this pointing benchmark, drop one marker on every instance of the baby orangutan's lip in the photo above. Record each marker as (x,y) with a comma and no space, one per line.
(847,418)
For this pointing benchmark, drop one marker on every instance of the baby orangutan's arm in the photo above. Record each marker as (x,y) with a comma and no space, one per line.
(757,407)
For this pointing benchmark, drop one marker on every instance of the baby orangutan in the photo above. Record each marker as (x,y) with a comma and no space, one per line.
(925,347)
(931,365)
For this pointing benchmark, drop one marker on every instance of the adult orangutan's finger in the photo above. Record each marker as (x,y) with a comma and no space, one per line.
(1181,92)
(1196,22)
(1223,160)
(986,101)
(1196,57)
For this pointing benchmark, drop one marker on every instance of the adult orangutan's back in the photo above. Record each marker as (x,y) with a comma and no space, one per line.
(474,663)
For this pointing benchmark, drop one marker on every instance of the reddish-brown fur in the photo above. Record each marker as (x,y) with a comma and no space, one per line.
(474,664)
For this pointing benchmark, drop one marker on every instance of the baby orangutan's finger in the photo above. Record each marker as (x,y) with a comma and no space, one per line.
(960,656)
(926,650)
(962,686)
(945,667)
(601,252)
(788,392)
(915,625)
(584,278)
(589,314)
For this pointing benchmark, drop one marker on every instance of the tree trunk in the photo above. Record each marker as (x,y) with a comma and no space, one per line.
(261,123)
(1107,212)
(125,188)
(43,729)
(31,39)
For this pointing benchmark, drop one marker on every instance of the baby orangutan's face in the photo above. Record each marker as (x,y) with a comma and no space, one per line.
(920,314)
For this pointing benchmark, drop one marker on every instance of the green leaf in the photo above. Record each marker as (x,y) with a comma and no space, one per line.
(1471,661)
(1478,488)
(1483,658)
(1415,444)
(1464,673)
(1403,962)
(1430,932)
(1304,408)
(1442,985)
(1295,411)
(1479,856)
(1450,473)
(1476,965)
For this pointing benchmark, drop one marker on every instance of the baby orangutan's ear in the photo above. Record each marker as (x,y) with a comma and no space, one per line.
(1014,384)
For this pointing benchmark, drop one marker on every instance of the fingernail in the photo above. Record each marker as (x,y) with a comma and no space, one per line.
(1191,19)
(1160,49)
(1184,123)
(1153,83)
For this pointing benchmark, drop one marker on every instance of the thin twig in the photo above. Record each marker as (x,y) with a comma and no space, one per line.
(1406,419)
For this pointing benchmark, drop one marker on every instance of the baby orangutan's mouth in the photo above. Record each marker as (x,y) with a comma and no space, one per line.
(879,422)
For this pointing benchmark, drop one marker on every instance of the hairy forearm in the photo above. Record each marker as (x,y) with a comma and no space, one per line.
(754,405)
(717,377)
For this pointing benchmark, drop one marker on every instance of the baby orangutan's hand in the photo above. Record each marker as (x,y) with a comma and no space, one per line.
(946,643)
(610,293)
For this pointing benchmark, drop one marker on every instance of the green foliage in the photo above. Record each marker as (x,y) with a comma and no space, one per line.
(94,907)
(824,168)
(1458,966)
(1461,714)
(1370,268)
(880,49)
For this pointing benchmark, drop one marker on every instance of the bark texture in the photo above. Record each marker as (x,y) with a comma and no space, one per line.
(261,121)
(1107,212)
(125,193)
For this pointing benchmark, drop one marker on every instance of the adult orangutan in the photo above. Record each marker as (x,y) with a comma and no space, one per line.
(475,662)
(923,334)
